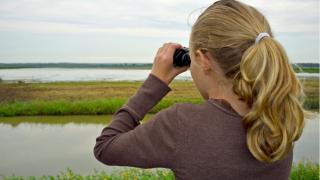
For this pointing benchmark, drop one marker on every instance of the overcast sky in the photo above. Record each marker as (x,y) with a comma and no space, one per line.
(132,31)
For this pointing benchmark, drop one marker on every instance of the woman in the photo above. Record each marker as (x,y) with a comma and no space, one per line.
(252,113)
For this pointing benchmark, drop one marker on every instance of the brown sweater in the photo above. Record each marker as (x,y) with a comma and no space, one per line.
(204,141)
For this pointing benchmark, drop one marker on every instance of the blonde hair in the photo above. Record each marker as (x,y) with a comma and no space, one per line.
(262,75)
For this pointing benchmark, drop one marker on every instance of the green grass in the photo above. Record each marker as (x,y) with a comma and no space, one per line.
(82,107)
(60,107)
(312,103)
(299,171)
(307,70)
(305,170)
(128,173)
(96,107)
(91,107)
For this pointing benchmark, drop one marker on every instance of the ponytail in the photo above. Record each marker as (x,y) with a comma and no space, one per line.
(268,84)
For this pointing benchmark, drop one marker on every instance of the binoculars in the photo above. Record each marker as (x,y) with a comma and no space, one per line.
(181,57)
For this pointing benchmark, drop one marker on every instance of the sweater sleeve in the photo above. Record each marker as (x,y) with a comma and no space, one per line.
(126,142)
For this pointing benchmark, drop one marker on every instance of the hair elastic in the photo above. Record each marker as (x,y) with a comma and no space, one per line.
(261,35)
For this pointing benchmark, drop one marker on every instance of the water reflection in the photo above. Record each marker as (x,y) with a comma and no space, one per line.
(46,145)
(38,149)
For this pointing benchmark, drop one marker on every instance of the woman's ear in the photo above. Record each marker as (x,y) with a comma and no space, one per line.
(204,61)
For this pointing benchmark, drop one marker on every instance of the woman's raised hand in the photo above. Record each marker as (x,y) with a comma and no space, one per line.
(163,63)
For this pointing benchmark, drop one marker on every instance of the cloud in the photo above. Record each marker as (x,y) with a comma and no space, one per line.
(39,28)
(141,16)
(82,28)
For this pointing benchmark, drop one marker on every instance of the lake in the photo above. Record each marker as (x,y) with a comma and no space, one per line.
(89,74)
(46,145)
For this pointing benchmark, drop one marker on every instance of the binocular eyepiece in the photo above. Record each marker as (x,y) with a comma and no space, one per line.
(181,57)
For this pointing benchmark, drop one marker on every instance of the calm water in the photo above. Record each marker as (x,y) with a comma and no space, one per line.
(61,74)
(46,145)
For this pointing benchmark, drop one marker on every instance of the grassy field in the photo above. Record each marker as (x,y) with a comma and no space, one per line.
(86,98)
(307,70)
(299,171)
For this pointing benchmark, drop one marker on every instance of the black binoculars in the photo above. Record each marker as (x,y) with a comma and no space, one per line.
(181,57)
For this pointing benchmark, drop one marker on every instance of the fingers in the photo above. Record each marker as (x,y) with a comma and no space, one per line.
(160,50)
(171,47)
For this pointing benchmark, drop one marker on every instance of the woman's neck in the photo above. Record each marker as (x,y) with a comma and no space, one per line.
(226,93)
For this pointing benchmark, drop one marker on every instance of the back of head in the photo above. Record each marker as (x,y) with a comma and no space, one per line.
(261,72)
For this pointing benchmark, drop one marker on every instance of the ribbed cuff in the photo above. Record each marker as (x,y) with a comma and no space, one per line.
(148,95)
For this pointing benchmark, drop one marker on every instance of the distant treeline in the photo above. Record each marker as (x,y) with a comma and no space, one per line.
(314,65)
(105,65)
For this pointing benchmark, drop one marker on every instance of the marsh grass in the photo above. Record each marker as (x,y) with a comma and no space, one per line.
(299,171)
(82,107)
(305,170)
(97,98)
(312,103)
(307,70)
(95,107)
(61,107)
